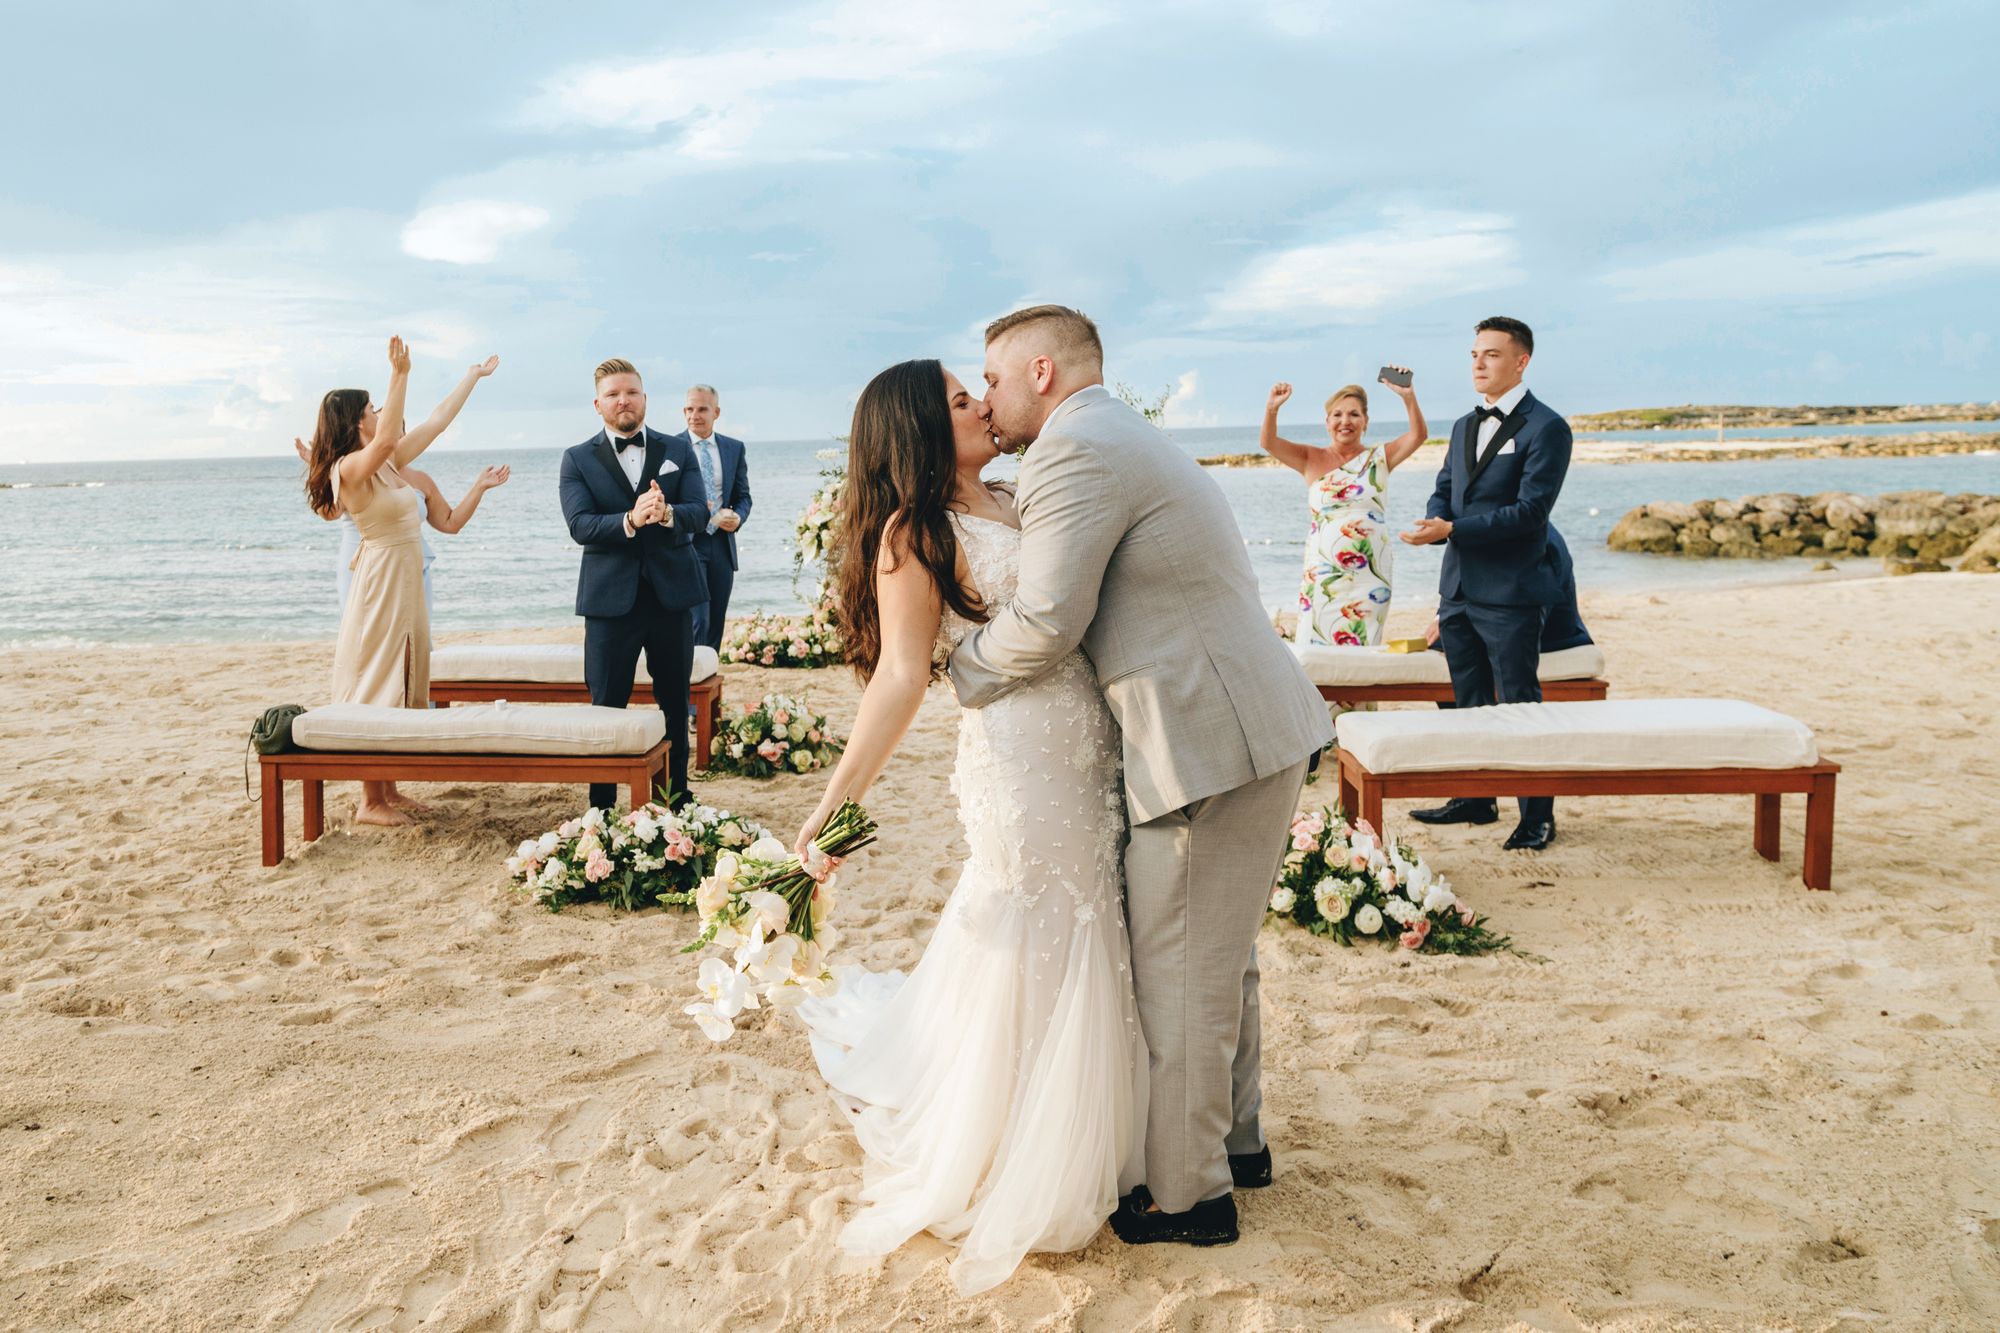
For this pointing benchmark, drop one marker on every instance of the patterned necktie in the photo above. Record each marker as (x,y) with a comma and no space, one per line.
(711,472)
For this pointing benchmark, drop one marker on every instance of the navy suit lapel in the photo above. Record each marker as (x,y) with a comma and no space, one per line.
(607,457)
(1509,428)
(656,453)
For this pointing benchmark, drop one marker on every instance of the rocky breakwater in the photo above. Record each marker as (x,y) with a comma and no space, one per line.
(1910,531)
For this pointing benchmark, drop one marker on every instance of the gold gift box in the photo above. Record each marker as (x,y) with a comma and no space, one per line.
(1407,645)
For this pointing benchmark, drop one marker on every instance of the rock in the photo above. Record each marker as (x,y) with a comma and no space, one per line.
(1725,533)
(1769,520)
(1726,509)
(1983,556)
(1740,550)
(1907,519)
(1913,567)
(1823,567)
(1640,531)
(1947,545)
(1700,547)
(1848,514)
(1778,502)
(1776,543)
(1674,512)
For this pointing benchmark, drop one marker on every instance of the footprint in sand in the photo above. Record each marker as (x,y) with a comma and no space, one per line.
(330,1221)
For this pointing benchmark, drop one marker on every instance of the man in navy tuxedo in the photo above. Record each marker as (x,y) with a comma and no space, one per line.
(1563,627)
(726,483)
(633,500)
(1501,575)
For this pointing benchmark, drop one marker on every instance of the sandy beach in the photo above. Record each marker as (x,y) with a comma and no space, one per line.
(372,1089)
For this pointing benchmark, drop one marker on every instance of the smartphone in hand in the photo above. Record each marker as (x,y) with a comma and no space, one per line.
(1391,375)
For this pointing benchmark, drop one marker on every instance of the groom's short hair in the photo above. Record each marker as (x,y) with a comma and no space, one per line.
(616,365)
(1074,336)
(1523,336)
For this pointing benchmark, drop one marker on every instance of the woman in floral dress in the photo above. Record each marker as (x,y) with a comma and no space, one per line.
(1344,597)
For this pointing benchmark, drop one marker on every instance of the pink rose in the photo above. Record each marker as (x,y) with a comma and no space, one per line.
(597,867)
(770,656)
(1466,916)
(679,845)
(1414,937)
(798,648)
(813,736)
(1315,823)
(770,751)
(1302,842)
(1357,861)
(782,718)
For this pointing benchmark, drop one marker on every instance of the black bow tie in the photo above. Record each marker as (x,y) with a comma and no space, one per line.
(630,440)
(1483,413)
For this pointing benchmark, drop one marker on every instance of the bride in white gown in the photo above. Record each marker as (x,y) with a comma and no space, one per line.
(998,1091)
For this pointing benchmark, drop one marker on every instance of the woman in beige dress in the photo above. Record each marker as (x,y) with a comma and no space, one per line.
(384,652)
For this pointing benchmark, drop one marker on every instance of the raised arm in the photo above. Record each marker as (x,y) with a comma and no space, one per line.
(907,599)
(424,432)
(1300,458)
(447,517)
(1071,522)
(361,466)
(1542,473)
(1397,451)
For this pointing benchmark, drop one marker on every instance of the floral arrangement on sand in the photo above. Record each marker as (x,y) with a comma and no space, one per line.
(631,860)
(770,909)
(1340,882)
(779,735)
(771,640)
(812,534)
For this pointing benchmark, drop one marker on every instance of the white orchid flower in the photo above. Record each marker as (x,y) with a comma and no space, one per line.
(713,1025)
(727,989)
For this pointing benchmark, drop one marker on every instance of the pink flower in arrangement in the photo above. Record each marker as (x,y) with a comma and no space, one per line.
(1303,842)
(598,866)
(769,751)
(782,718)
(1363,826)
(770,656)
(813,736)
(1466,916)
(1414,937)
(798,647)
(1357,860)
(1351,560)
(679,845)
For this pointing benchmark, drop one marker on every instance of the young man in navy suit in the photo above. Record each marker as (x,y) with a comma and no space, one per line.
(1501,576)
(633,499)
(726,480)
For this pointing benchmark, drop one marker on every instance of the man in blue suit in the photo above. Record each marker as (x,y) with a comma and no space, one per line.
(1563,627)
(1501,575)
(726,480)
(633,500)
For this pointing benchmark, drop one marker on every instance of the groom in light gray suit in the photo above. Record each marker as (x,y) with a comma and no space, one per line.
(1130,550)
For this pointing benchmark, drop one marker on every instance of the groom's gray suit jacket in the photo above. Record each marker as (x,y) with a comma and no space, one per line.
(1130,549)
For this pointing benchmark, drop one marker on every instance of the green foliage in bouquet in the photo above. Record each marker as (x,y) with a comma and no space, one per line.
(779,735)
(1341,883)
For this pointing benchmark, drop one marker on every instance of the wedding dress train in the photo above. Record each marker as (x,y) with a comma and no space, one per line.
(998,1091)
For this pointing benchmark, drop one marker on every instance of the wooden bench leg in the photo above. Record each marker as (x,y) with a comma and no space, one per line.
(1371,805)
(1819,833)
(272,800)
(642,785)
(1350,800)
(704,729)
(314,801)
(1767,824)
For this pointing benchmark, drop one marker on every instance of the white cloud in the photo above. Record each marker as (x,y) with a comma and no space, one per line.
(1181,410)
(1831,259)
(470,231)
(1414,256)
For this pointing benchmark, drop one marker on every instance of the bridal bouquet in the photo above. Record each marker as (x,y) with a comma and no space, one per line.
(1339,881)
(651,854)
(779,735)
(770,908)
(766,639)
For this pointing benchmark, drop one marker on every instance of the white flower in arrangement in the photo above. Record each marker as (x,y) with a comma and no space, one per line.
(593,818)
(553,870)
(713,1025)
(1283,899)
(644,827)
(1438,897)
(768,850)
(775,966)
(1368,920)
(736,749)
(769,910)
(1330,897)
(797,731)
(711,896)
(803,761)
(1401,910)
(547,843)
(728,990)
(748,730)
(727,868)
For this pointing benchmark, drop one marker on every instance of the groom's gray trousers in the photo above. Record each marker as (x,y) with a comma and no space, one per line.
(1197,882)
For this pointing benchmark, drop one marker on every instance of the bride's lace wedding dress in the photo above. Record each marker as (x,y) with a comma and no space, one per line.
(998,1091)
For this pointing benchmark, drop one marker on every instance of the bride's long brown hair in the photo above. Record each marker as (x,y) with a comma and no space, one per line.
(902,465)
(336,434)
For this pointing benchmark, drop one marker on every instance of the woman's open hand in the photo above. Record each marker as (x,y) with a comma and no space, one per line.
(491,476)
(487,367)
(399,355)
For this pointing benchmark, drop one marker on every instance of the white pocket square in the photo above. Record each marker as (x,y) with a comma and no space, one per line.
(668,465)
(1507,448)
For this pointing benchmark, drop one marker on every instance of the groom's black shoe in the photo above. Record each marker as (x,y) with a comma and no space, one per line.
(1251,1170)
(1459,810)
(1533,837)
(1210,1222)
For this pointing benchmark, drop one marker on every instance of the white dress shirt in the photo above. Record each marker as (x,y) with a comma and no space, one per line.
(633,461)
(1506,402)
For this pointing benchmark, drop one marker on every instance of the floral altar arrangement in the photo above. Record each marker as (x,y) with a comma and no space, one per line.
(648,855)
(779,735)
(1340,882)
(812,533)
(767,639)
(771,908)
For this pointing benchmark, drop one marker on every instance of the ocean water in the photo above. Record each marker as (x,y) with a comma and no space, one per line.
(222,550)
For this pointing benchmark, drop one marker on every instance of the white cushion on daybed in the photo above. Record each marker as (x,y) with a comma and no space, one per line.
(1607,734)
(1327,664)
(495,728)
(543,663)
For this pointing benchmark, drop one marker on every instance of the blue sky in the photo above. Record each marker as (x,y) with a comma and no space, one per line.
(213,213)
